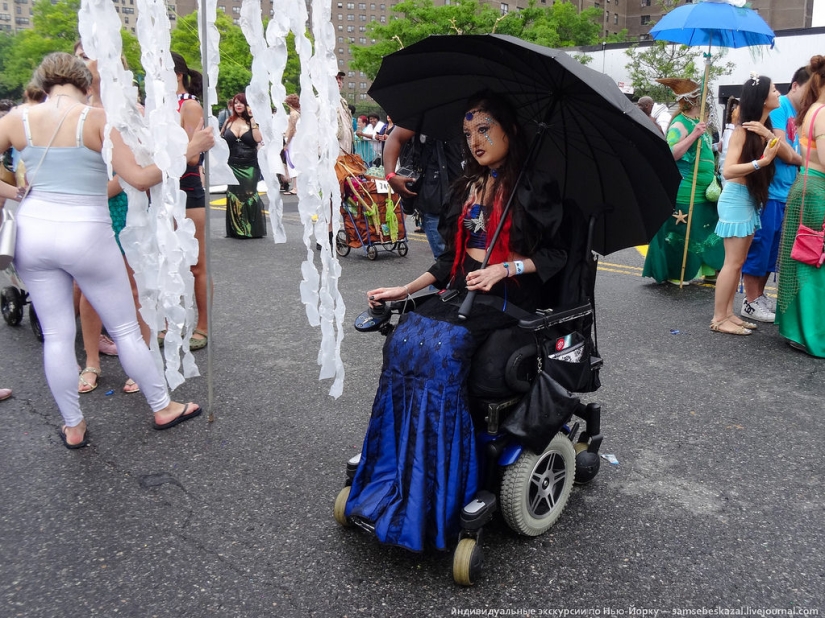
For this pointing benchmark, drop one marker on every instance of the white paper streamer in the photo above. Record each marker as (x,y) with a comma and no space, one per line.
(158,239)
(314,149)
(322,69)
(219,171)
(268,62)
(161,254)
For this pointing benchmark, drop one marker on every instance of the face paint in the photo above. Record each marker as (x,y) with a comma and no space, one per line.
(486,138)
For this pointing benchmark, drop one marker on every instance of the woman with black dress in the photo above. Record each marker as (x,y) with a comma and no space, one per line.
(244,208)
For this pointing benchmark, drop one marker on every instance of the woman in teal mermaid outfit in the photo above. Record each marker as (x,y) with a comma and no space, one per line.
(244,208)
(802,286)
(706,252)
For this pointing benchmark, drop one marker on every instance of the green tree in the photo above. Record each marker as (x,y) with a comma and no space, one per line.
(235,70)
(559,25)
(663,59)
(54,28)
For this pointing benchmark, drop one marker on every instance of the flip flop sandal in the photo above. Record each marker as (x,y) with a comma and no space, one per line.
(198,344)
(72,447)
(131,387)
(738,330)
(83,381)
(180,418)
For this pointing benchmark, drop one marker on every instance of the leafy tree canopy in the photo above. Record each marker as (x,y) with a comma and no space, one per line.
(236,58)
(54,28)
(559,25)
(664,59)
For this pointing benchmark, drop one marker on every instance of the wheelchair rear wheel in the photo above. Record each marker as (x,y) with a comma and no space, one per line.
(535,489)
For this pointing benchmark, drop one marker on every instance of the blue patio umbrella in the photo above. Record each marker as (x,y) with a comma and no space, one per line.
(724,23)
(713,22)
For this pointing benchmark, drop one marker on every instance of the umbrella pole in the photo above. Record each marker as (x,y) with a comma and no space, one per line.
(467,305)
(207,226)
(695,171)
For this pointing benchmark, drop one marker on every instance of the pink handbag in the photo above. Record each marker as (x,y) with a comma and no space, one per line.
(809,244)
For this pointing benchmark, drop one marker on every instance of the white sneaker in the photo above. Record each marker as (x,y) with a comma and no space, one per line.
(756,311)
(768,303)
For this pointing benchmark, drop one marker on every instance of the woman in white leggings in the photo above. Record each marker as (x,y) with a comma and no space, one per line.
(65,234)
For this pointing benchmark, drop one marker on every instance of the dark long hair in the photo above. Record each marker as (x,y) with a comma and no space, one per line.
(475,175)
(192,79)
(244,114)
(751,106)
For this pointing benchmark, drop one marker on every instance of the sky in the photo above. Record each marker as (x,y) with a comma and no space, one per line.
(818,16)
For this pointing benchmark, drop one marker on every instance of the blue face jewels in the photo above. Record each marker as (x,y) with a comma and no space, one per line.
(468,116)
(494,173)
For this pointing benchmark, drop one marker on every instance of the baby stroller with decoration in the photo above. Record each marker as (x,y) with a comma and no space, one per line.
(373,218)
(531,449)
(14,298)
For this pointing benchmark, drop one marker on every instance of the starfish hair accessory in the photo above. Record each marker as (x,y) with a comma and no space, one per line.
(754,78)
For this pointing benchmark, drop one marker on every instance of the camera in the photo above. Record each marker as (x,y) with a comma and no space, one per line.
(409,173)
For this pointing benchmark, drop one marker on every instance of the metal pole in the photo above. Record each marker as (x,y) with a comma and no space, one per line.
(207,227)
(695,170)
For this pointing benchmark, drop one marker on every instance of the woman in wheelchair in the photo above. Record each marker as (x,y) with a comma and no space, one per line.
(418,467)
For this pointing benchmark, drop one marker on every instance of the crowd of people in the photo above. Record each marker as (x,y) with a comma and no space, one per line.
(65,235)
(771,176)
(458,189)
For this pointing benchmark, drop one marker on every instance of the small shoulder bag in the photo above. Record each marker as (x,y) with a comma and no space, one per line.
(808,244)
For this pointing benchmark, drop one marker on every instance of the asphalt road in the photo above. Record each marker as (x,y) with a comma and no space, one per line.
(716,502)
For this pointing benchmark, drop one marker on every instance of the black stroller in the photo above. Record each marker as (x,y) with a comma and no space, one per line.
(13,300)
(529,456)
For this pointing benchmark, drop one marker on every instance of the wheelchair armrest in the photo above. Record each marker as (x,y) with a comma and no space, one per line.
(375,317)
(409,304)
(548,317)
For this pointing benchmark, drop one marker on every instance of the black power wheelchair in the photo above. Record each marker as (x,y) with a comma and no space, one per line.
(530,486)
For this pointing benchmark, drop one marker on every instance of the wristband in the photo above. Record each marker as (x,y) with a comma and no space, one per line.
(390,176)
(755,164)
(519,266)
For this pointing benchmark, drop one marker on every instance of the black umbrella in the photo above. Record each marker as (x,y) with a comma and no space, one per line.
(600,147)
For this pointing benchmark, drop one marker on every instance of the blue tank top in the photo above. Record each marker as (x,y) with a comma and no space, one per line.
(75,170)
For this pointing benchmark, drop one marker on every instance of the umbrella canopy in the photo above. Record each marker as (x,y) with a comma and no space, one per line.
(713,22)
(601,148)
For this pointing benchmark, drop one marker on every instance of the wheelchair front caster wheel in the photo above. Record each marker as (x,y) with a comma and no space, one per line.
(403,249)
(339,511)
(467,562)
(587,464)
(372,252)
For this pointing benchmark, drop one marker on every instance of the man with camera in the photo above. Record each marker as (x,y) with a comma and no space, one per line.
(428,168)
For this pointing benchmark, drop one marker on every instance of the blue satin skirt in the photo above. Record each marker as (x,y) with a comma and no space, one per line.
(418,465)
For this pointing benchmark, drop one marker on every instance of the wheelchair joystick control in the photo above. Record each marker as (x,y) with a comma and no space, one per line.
(373,318)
